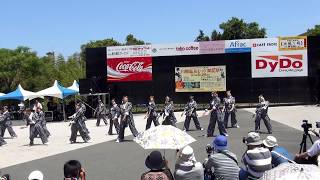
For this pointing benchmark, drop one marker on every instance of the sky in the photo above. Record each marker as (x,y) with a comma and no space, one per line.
(63,25)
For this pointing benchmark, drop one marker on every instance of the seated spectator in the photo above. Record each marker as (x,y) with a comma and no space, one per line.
(187,167)
(35,175)
(223,163)
(73,171)
(311,156)
(256,159)
(279,154)
(158,168)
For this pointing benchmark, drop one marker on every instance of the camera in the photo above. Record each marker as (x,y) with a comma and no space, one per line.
(209,149)
(5,177)
(244,140)
(306,126)
(318,124)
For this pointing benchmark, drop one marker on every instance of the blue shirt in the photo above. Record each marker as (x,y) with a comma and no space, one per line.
(276,159)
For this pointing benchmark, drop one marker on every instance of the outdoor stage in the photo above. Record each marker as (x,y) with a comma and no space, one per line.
(104,158)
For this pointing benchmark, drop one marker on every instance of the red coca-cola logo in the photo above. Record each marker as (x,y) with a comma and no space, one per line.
(130,66)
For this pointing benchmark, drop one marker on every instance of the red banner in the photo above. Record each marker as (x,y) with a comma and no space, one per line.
(129,69)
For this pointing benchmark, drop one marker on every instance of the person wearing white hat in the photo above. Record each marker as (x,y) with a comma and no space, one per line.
(187,167)
(279,154)
(35,175)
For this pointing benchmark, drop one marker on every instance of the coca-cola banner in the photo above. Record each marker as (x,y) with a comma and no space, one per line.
(129,69)
(279,64)
(128,51)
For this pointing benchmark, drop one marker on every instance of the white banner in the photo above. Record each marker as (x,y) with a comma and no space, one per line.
(128,51)
(279,64)
(176,49)
(264,44)
(237,46)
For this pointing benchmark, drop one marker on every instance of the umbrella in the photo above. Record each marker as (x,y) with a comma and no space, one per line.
(164,137)
(289,171)
(20,94)
(74,86)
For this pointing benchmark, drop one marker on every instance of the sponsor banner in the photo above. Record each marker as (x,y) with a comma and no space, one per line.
(176,49)
(292,43)
(211,47)
(279,64)
(129,69)
(237,46)
(200,79)
(264,44)
(128,51)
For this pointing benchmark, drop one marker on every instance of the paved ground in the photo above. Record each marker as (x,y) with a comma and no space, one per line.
(108,160)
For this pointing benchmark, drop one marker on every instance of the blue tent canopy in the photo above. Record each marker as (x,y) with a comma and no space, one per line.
(19,94)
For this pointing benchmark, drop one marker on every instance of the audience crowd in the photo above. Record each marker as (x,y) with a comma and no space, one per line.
(259,157)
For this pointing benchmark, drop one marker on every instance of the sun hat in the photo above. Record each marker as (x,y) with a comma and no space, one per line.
(186,157)
(270,141)
(220,143)
(253,138)
(155,161)
(35,175)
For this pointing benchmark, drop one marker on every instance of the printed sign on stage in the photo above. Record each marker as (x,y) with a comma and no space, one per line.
(264,44)
(211,47)
(129,69)
(292,43)
(237,46)
(279,64)
(200,78)
(175,49)
(128,51)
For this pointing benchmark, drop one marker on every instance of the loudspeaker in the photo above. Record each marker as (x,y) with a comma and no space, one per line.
(96,62)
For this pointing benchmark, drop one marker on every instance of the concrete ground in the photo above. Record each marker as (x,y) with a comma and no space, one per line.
(105,159)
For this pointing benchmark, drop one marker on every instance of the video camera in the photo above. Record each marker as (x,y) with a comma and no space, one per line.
(5,177)
(209,149)
(305,125)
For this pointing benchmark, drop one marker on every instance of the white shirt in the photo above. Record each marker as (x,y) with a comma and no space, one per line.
(314,149)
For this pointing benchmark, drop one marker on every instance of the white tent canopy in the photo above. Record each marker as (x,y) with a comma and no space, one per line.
(52,91)
(1,94)
(74,86)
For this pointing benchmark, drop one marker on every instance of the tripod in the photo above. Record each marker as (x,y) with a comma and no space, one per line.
(303,144)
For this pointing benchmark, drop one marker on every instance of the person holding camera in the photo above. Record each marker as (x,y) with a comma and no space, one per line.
(256,159)
(279,154)
(74,171)
(222,162)
(158,166)
(311,156)
(216,116)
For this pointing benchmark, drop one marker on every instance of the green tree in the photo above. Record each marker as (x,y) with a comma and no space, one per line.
(202,37)
(236,28)
(131,40)
(313,31)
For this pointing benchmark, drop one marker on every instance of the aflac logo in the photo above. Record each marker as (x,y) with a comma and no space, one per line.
(238,44)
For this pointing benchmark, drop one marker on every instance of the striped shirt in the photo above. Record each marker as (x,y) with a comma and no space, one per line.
(257,161)
(223,166)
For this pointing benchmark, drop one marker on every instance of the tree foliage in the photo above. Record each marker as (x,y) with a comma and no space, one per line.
(313,31)
(202,37)
(235,28)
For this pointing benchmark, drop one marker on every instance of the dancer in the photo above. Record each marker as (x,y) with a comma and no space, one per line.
(151,114)
(190,111)
(216,116)
(101,113)
(6,123)
(114,115)
(262,113)
(168,113)
(126,119)
(40,114)
(34,121)
(77,125)
(230,109)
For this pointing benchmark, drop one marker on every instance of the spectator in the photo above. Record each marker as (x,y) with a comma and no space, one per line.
(279,154)
(223,163)
(73,170)
(35,175)
(187,168)
(311,156)
(158,168)
(256,159)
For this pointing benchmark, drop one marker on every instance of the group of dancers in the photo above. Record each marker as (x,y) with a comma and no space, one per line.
(121,116)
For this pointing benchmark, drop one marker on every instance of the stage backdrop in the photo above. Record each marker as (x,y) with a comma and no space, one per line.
(200,79)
